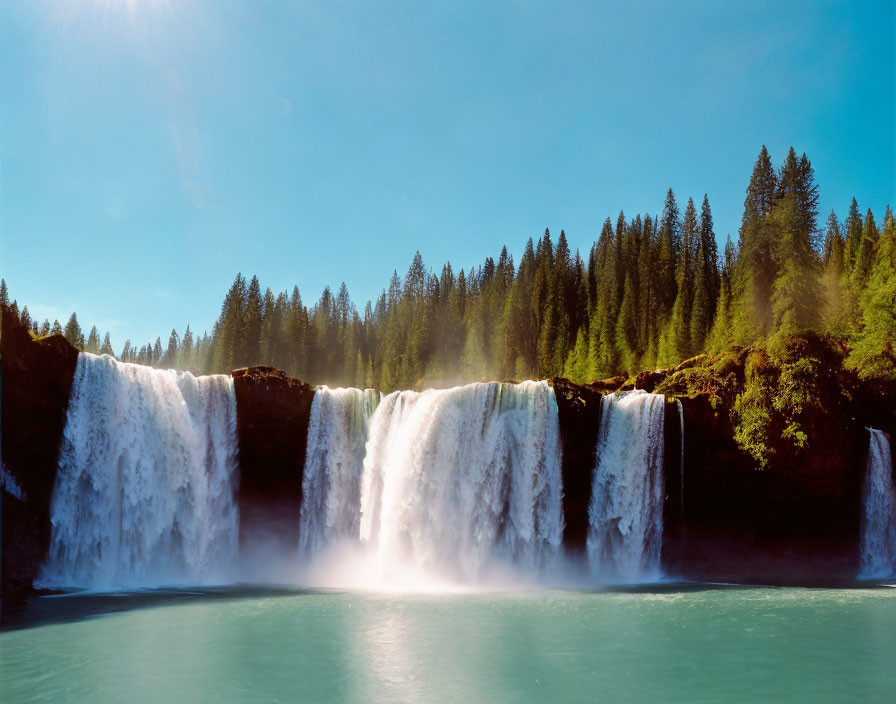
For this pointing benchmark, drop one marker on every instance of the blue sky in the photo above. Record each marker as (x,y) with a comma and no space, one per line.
(151,149)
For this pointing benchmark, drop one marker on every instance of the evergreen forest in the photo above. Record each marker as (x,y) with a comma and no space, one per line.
(651,292)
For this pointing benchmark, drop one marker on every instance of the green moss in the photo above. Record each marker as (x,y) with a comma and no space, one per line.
(753,418)
(787,389)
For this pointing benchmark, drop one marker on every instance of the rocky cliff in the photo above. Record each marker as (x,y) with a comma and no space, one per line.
(578,409)
(272,424)
(769,489)
(34,388)
(273,410)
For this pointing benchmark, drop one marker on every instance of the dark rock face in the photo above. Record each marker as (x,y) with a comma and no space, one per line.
(672,478)
(578,410)
(272,410)
(607,386)
(795,522)
(36,380)
(725,519)
(649,380)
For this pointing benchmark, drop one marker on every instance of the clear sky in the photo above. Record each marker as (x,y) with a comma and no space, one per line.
(151,149)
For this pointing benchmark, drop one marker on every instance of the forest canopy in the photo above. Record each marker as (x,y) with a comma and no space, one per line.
(652,291)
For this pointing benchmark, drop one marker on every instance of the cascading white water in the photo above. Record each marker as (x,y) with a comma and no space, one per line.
(878,529)
(626,511)
(144,494)
(334,460)
(463,481)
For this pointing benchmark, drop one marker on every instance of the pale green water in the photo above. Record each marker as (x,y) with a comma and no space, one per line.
(675,644)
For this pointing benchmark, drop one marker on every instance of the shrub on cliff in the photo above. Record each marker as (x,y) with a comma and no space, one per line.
(874,352)
(753,412)
(780,397)
(791,392)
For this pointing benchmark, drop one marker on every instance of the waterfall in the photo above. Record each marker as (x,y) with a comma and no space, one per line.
(878,531)
(144,494)
(331,485)
(626,509)
(461,481)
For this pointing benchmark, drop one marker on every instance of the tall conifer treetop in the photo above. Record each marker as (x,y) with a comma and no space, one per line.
(650,291)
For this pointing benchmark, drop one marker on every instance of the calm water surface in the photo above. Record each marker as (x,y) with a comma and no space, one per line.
(668,644)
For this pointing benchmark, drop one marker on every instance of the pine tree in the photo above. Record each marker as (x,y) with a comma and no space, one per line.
(797,296)
(647,303)
(874,351)
(518,359)
(853,226)
(107,346)
(864,259)
(721,337)
(231,333)
(577,367)
(156,353)
(93,341)
(702,304)
(835,286)
(667,259)
(25,317)
(604,352)
(267,339)
(675,342)
(832,232)
(710,256)
(254,316)
(627,327)
(415,279)
(761,190)
(546,358)
(73,332)
(754,276)
(650,292)
(169,360)
(185,358)
(4,293)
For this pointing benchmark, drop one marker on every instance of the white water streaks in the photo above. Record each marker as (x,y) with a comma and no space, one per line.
(334,461)
(626,512)
(878,529)
(463,482)
(144,493)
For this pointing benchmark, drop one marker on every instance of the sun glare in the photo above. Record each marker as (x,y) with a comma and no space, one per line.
(130,6)
(146,25)
(110,11)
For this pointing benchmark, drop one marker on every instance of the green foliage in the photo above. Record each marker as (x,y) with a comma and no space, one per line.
(785,395)
(650,292)
(874,351)
(796,294)
(93,341)
(73,332)
(753,419)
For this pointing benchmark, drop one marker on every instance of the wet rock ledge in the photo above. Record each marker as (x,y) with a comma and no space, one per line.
(726,518)
(578,410)
(272,411)
(34,388)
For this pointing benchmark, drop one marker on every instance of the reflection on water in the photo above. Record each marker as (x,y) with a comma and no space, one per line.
(677,643)
(388,669)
